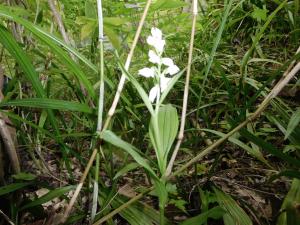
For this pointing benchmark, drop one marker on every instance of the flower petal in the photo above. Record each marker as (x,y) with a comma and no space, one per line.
(159,45)
(151,40)
(147,72)
(153,57)
(172,70)
(156,40)
(167,61)
(164,81)
(153,93)
(156,33)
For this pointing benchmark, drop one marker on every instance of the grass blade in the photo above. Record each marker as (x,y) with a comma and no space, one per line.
(46,103)
(12,187)
(49,196)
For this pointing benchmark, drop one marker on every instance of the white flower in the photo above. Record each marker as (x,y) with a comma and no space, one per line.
(147,72)
(156,40)
(167,61)
(156,33)
(164,81)
(153,93)
(153,57)
(173,69)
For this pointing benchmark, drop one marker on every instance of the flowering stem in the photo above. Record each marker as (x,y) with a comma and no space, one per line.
(161,163)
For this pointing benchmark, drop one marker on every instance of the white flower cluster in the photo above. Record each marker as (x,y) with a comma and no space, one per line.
(161,81)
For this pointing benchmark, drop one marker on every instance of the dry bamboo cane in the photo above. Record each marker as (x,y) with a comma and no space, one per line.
(110,114)
(186,91)
(287,76)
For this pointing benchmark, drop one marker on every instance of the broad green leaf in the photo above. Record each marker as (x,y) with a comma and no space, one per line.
(49,196)
(12,187)
(126,169)
(237,214)
(294,121)
(168,123)
(113,139)
(47,103)
(289,214)
(214,213)
(24,176)
(252,151)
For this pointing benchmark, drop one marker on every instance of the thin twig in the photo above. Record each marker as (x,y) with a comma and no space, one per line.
(127,64)
(186,91)
(78,188)
(124,206)
(59,22)
(6,218)
(275,91)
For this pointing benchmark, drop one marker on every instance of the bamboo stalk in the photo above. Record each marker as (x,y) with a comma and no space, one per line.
(101,89)
(126,66)
(78,188)
(186,91)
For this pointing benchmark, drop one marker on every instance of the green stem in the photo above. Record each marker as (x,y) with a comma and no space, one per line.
(159,153)
(161,215)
